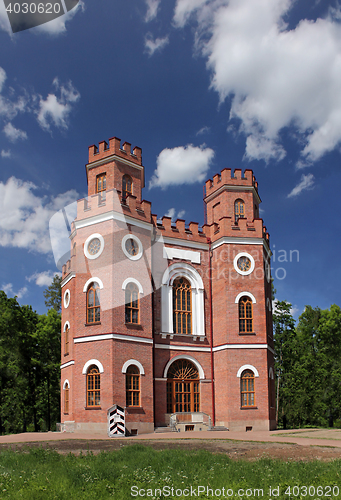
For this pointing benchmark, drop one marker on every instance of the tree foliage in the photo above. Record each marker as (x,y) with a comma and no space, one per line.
(308,366)
(53,294)
(29,367)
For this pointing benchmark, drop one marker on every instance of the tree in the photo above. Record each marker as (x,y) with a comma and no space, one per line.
(284,335)
(53,294)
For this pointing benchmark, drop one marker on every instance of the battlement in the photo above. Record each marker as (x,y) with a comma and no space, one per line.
(225,178)
(112,201)
(226,226)
(114,148)
(179,229)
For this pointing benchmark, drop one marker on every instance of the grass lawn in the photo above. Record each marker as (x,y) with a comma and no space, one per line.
(136,471)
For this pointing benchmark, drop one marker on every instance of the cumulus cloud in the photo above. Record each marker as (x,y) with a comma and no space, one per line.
(8,289)
(13,134)
(171,213)
(182,165)
(44,278)
(307,182)
(152,45)
(5,154)
(57,109)
(152,8)
(276,77)
(24,220)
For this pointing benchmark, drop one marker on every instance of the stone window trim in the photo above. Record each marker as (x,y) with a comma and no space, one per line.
(133,362)
(66,298)
(189,358)
(90,363)
(247,367)
(140,247)
(66,324)
(245,294)
(66,382)
(93,280)
(185,270)
(235,263)
(87,242)
(132,280)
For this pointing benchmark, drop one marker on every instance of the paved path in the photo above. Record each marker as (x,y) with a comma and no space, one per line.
(304,437)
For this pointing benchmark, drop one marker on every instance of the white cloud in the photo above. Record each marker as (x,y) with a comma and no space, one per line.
(152,8)
(5,154)
(171,213)
(4,21)
(13,134)
(8,289)
(24,217)
(152,45)
(2,78)
(276,77)
(307,182)
(203,130)
(182,165)
(44,278)
(57,109)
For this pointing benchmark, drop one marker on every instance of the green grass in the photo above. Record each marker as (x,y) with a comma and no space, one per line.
(43,474)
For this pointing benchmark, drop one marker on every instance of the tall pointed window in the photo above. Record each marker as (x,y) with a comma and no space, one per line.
(93,304)
(239,210)
(245,315)
(247,388)
(127,186)
(101,183)
(183,394)
(182,306)
(67,341)
(93,386)
(133,386)
(132,304)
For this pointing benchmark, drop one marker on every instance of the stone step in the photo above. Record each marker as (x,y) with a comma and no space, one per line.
(219,428)
(163,429)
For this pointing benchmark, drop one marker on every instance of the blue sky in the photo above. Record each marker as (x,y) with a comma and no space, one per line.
(201,84)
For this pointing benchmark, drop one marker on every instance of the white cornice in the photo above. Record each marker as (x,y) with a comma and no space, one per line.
(184,243)
(116,336)
(226,187)
(69,363)
(215,349)
(67,279)
(112,215)
(110,158)
(234,240)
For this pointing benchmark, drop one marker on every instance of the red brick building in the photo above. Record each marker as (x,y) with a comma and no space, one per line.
(171,321)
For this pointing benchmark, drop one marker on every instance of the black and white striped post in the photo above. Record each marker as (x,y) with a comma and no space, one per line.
(116,421)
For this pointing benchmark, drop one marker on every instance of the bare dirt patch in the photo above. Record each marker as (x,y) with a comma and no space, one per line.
(249,450)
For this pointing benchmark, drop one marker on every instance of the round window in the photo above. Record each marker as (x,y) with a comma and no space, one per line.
(244,264)
(66,298)
(132,247)
(94,246)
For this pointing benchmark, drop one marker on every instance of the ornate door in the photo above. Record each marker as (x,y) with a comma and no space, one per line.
(183,393)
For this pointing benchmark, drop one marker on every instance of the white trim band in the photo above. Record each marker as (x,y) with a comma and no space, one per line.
(65,365)
(107,336)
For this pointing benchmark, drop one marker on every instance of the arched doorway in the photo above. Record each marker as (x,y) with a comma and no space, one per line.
(183,393)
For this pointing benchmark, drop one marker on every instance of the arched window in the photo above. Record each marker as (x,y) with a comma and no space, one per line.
(133,386)
(101,183)
(183,393)
(247,388)
(93,304)
(239,210)
(132,303)
(182,306)
(93,386)
(245,315)
(67,341)
(127,186)
(66,398)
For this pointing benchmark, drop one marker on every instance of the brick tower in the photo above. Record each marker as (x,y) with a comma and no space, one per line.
(171,322)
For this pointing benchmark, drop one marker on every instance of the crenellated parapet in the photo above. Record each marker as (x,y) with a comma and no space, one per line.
(101,203)
(179,229)
(226,178)
(105,149)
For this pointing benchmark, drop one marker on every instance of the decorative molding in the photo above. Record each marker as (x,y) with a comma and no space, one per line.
(184,243)
(67,279)
(132,280)
(86,244)
(182,348)
(233,240)
(189,358)
(247,367)
(108,336)
(111,158)
(65,365)
(215,349)
(132,362)
(93,280)
(92,362)
(177,253)
(239,188)
(112,215)
(243,294)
